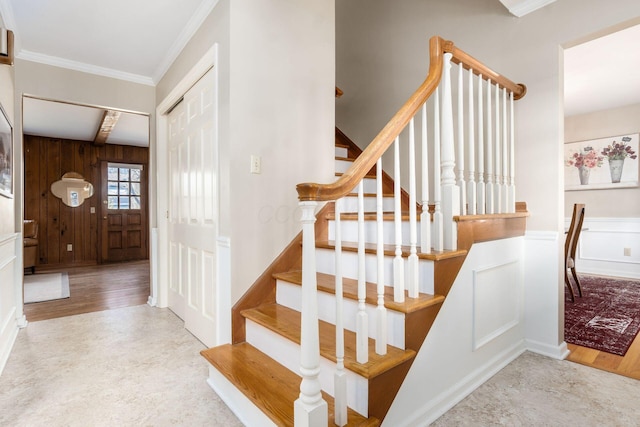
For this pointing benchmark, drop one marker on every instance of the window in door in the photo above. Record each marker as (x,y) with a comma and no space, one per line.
(123,186)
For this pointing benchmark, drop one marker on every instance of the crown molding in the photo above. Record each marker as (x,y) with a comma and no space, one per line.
(520,8)
(189,30)
(83,67)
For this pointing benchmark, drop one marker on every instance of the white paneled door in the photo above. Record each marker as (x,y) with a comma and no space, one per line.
(193,209)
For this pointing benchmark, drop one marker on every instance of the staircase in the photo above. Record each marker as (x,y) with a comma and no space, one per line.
(314,343)
(264,366)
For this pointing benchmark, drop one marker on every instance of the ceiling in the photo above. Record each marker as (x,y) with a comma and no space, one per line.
(603,73)
(138,41)
(129,40)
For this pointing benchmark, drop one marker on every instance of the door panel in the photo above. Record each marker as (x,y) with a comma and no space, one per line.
(193,209)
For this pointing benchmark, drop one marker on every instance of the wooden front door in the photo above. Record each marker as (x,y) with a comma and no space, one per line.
(124,231)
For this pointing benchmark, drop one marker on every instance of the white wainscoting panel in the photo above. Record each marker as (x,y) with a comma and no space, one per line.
(609,247)
(496,301)
(8,301)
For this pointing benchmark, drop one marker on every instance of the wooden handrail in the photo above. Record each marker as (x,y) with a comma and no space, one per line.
(437,47)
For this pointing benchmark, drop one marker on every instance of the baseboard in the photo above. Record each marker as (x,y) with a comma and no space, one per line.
(8,334)
(240,405)
(449,398)
(559,352)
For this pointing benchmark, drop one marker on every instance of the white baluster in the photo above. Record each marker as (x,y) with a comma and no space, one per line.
(381,311)
(437,236)
(471,178)
(398,262)
(460,151)
(450,191)
(505,155)
(425,217)
(482,201)
(340,376)
(512,160)
(412,263)
(309,409)
(489,153)
(497,192)
(362,320)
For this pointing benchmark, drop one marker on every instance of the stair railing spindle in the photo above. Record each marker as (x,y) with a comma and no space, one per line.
(481,205)
(362,320)
(450,191)
(437,236)
(398,262)
(460,150)
(489,153)
(425,216)
(505,155)
(497,192)
(309,408)
(381,311)
(340,376)
(412,263)
(471,178)
(512,160)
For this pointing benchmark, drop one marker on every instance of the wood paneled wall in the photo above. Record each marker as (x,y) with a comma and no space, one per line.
(46,160)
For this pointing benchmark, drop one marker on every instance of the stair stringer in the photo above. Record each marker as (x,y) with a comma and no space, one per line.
(464,346)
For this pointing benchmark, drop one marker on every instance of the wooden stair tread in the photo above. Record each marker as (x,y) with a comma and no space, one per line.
(326,283)
(286,322)
(341,145)
(269,385)
(372,216)
(390,250)
(346,159)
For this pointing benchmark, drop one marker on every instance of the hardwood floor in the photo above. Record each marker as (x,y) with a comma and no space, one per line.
(96,288)
(627,365)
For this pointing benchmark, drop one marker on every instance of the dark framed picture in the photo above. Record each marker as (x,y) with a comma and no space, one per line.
(6,155)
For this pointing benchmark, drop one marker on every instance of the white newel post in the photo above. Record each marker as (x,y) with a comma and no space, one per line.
(505,155)
(489,154)
(310,410)
(450,191)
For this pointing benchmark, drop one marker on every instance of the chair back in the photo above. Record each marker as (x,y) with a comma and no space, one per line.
(30,229)
(573,234)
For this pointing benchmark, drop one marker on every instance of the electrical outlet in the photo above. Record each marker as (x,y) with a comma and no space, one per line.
(255,164)
(69,247)
(627,251)
(93,209)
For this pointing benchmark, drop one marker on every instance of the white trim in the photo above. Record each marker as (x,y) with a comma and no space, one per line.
(559,352)
(153,298)
(520,8)
(243,408)
(203,11)
(56,61)
(223,290)
(11,335)
(159,150)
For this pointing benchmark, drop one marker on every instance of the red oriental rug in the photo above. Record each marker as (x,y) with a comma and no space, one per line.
(607,317)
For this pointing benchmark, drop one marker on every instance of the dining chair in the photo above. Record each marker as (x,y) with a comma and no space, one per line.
(570,245)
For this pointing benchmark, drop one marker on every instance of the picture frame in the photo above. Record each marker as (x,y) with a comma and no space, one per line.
(602,164)
(6,155)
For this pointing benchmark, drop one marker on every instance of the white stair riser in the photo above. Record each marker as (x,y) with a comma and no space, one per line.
(350,232)
(325,263)
(290,295)
(287,353)
(350,204)
(342,152)
(343,165)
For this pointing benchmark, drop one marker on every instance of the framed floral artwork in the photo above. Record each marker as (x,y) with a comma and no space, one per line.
(6,155)
(603,163)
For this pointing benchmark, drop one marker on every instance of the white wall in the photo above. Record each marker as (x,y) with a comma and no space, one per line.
(10,259)
(382,56)
(276,79)
(478,331)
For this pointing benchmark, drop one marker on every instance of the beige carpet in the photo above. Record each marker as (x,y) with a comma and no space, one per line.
(45,287)
(138,366)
